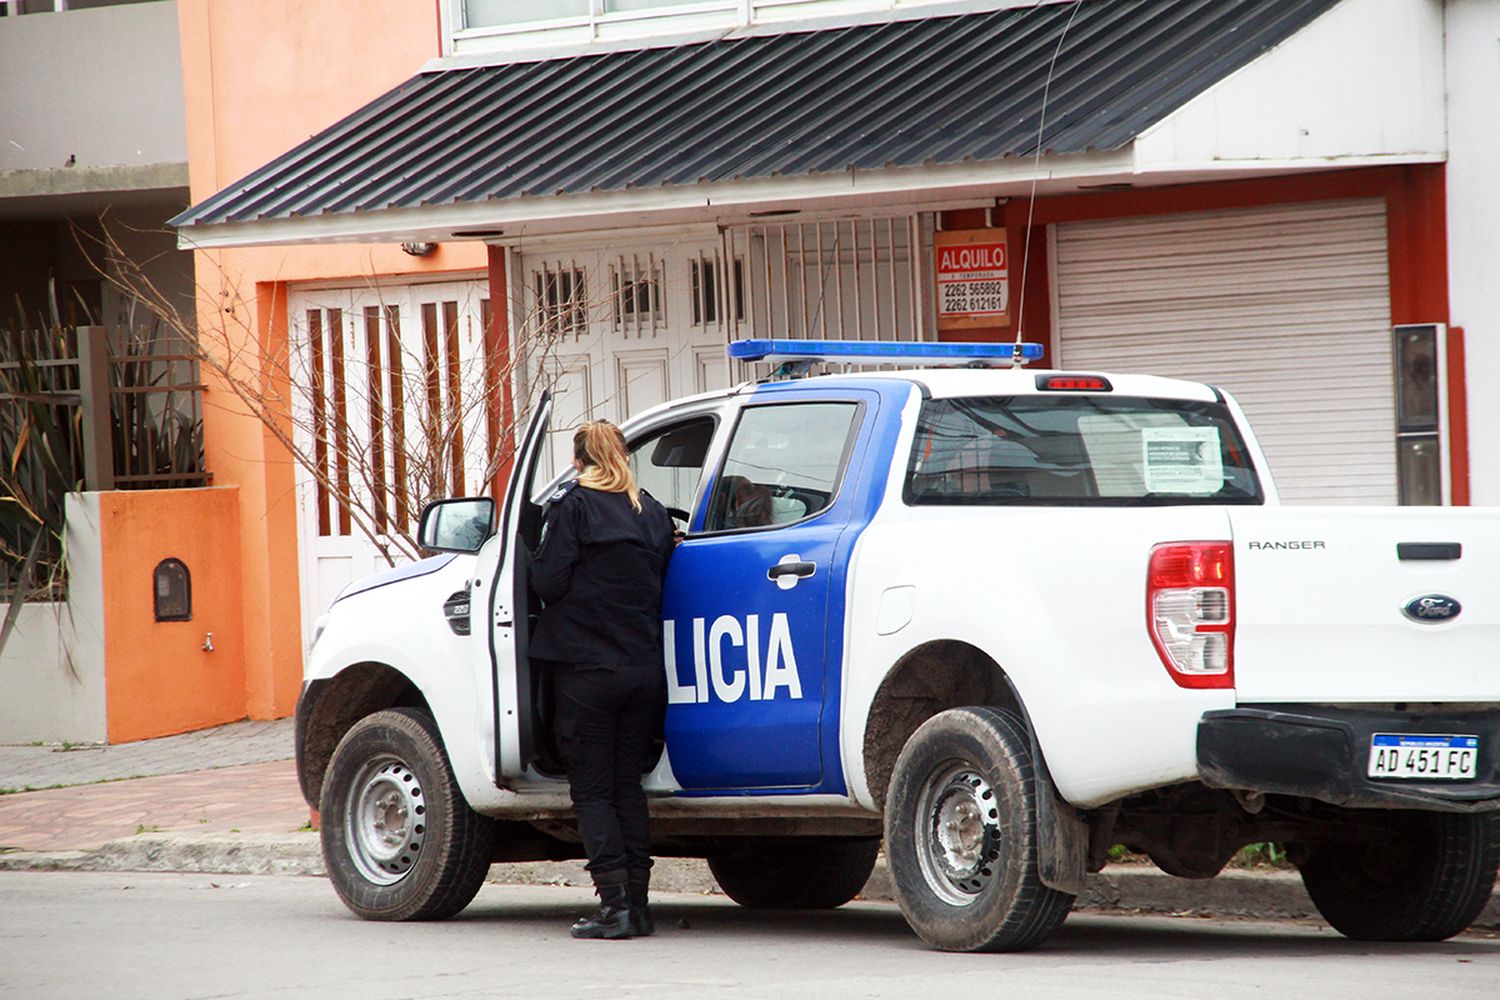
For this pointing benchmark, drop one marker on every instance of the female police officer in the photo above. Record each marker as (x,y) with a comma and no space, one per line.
(598,567)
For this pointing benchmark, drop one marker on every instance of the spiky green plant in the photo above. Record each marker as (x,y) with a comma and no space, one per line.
(153,434)
(40,457)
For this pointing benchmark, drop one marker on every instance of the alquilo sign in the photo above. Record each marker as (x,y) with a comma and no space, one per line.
(973,278)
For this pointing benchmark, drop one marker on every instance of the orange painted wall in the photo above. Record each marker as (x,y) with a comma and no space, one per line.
(158,679)
(258,79)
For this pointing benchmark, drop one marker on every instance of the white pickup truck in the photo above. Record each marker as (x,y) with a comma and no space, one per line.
(1001,619)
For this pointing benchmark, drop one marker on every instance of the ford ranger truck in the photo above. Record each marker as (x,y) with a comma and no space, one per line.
(996,619)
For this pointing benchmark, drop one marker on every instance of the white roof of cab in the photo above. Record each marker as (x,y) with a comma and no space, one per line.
(947,382)
(944,383)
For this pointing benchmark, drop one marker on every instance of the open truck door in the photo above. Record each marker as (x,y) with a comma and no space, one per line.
(517,721)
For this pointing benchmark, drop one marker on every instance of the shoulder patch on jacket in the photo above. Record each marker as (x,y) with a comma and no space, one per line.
(561,491)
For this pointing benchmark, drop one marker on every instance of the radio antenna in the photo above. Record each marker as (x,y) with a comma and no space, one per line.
(1036,168)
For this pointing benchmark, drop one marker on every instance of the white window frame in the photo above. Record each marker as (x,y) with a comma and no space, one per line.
(602,26)
(647,21)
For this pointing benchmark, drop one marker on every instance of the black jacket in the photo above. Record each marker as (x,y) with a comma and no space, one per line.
(599,568)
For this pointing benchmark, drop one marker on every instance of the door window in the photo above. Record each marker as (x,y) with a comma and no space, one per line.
(783,465)
(669,462)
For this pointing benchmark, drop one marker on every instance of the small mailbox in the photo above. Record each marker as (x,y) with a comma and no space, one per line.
(172,591)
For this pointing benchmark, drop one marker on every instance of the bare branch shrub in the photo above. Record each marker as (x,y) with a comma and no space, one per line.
(375,436)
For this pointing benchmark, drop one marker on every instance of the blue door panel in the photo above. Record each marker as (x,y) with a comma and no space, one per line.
(755,668)
(748,660)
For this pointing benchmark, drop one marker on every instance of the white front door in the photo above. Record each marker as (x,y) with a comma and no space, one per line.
(390,410)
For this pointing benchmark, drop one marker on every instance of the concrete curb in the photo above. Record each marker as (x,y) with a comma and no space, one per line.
(1118,889)
(215,853)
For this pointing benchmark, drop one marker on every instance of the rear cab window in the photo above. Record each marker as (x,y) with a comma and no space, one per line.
(1077,450)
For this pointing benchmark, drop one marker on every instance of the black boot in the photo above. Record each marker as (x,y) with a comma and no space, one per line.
(641,924)
(613,921)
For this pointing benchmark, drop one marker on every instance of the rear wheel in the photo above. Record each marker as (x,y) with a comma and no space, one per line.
(795,873)
(1413,876)
(399,840)
(961,835)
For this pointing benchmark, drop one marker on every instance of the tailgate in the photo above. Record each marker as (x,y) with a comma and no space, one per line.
(1324,604)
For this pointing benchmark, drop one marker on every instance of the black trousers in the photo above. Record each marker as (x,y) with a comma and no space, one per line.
(605,718)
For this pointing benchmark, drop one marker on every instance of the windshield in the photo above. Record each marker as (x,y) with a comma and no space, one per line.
(1078,450)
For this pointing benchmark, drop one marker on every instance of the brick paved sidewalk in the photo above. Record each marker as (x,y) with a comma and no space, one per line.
(251,798)
(238,777)
(32,767)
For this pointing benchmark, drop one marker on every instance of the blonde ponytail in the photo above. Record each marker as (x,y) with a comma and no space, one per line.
(599,446)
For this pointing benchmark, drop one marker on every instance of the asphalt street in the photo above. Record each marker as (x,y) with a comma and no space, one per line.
(170,936)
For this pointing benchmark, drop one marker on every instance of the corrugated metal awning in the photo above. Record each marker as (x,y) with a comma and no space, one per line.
(884,97)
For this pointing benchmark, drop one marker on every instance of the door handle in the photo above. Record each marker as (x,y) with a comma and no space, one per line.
(797,569)
(1429,550)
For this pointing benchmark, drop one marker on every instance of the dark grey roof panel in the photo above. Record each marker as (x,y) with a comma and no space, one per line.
(934,90)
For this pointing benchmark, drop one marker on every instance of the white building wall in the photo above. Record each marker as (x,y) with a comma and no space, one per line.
(53,666)
(102,87)
(1473,78)
(1361,84)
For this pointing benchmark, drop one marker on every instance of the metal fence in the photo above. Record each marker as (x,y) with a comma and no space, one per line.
(141,423)
(87,408)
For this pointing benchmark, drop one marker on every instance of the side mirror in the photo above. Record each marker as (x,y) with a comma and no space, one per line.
(458,525)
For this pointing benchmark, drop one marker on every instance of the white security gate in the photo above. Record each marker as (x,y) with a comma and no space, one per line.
(389,407)
(839,279)
(1287,307)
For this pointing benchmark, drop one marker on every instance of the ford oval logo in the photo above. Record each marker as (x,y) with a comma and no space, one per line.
(1429,609)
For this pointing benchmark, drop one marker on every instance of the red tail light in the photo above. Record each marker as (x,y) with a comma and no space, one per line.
(1190,611)
(1073,383)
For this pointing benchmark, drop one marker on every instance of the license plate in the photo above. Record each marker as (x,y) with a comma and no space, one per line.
(1427,757)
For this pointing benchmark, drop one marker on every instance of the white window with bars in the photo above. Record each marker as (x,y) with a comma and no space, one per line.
(717,293)
(560,299)
(637,283)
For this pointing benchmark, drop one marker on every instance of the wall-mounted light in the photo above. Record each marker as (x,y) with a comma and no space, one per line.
(419,248)
(1422,462)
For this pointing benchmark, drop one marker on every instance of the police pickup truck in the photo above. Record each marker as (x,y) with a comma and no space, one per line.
(1001,619)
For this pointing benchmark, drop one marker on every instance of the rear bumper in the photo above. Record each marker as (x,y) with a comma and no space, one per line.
(1321,753)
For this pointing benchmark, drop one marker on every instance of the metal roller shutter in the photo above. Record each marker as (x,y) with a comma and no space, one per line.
(1286,307)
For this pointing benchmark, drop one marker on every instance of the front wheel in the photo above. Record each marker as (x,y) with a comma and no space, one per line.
(399,840)
(1411,876)
(961,835)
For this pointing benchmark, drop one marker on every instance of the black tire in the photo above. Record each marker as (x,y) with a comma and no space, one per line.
(961,835)
(798,873)
(399,840)
(1414,876)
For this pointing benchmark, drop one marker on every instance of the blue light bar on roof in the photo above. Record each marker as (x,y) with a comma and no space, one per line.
(875,352)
